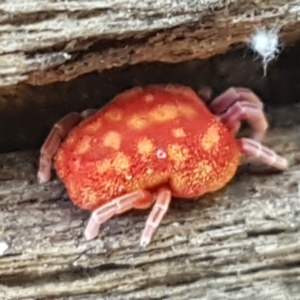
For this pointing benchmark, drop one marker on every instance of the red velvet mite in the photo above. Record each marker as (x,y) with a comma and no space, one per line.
(149,144)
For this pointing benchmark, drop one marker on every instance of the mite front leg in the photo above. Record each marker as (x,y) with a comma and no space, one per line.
(263,154)
(53,140)
(159,209)
(232,95)
(140,199)
(237,104)
(249,112)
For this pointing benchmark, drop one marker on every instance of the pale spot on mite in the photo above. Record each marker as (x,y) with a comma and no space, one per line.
(164,113)
(121,162)
(103,165)
(186,110)
(211,138)
(178,132)
(113,114)
(83,145)
(203,170)
(145,146)
(149,98)
(112,139)
(138,122)
(178,153)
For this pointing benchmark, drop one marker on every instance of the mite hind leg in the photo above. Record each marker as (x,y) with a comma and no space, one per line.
(140,199)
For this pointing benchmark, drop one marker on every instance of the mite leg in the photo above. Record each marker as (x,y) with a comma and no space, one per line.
(237,104)
(232,95)
(141,199)
(159,209)
(263,154)
(53,140)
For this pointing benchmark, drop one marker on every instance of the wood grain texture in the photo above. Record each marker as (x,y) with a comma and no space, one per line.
(240,243)
(48,41)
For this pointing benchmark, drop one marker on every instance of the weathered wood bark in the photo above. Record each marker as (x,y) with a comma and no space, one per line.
(240,243)
(28,112)
(43,42)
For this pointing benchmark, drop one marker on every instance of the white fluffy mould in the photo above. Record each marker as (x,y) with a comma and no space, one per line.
(266,44)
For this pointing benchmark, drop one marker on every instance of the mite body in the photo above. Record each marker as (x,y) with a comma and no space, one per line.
(149,144)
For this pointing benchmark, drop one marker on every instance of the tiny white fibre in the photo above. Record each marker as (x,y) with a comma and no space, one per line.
(161,154)
(266,44)
(3,248)
(67,56)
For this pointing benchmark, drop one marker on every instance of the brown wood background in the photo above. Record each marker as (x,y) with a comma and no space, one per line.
(47,41)
(240,243)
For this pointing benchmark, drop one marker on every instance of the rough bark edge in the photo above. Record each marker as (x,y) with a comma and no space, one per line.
(194,30)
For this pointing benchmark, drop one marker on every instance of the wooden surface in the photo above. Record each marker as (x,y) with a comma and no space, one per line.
(241,243)
(48,41)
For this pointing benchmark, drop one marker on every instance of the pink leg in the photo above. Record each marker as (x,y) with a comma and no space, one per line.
(232,95)
(238,104)
(139,199)
(159,209)
(267,156)
(53,140)
(240,111)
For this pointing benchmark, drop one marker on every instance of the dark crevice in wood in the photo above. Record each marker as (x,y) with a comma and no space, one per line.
(273,231)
